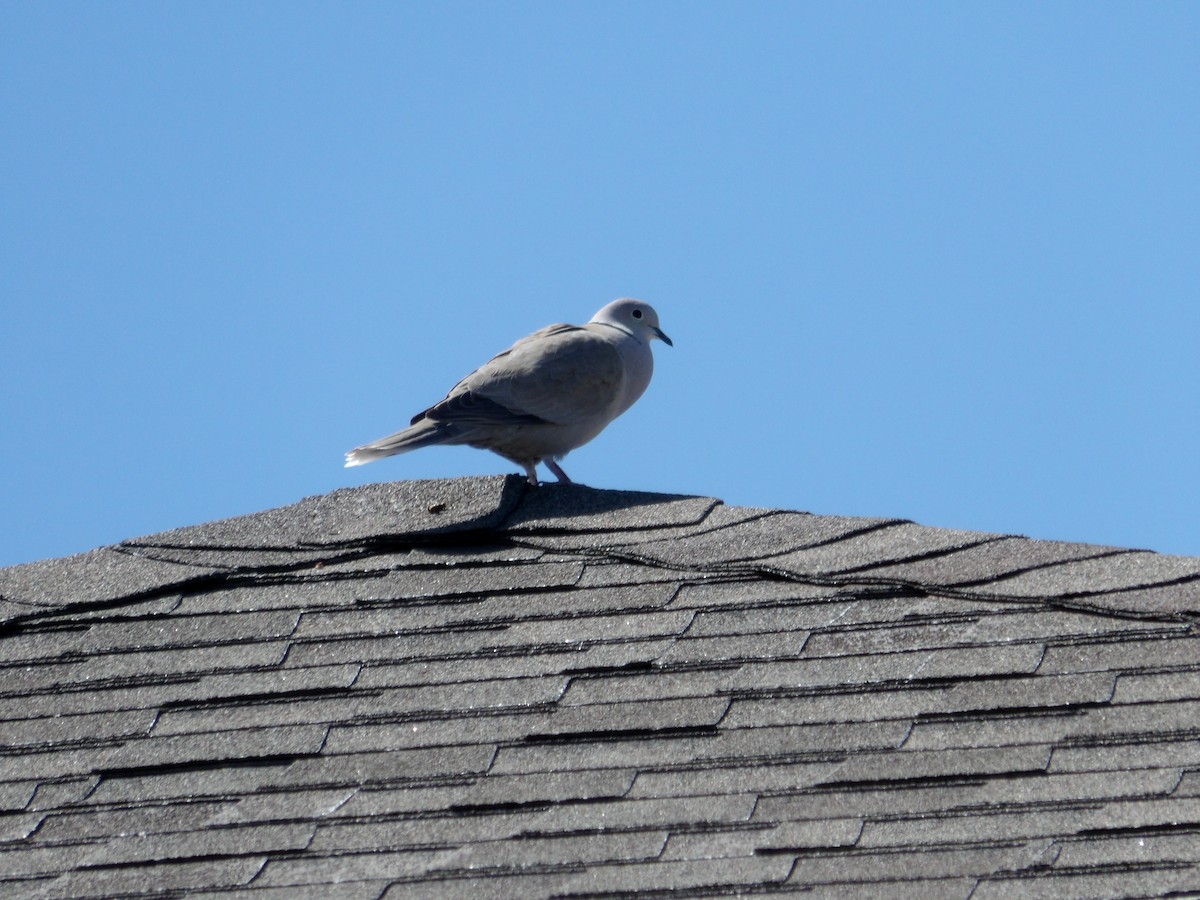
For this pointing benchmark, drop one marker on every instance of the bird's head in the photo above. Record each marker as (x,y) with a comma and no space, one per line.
(634,317)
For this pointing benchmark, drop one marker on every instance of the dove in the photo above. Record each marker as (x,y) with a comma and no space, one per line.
(544,396)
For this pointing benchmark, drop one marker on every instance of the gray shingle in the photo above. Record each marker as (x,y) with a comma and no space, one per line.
(474,688)
(176,875)
(78,824)
(312,805)
(220,780)
(259,838)
(1145,881)
(59,792)
(1129,849)
(377,868)
(575,509)
(187,631)
(31,734)
(392,766)
(99,578)
(1003,625)
(701,779)
(874,668)
(731,592)
(351,890)
(28,862)
(1181,600)
(498,792)
(176,750)
(414,733)
(652,715)
(739,648)
(869,870)
(352,516)
(1149,687)
(864,551)
(1166,648)
(974,762)
(18,827)
(1119,572)
(755,542)
(872,703)
(983,563)
(652,682)
(490,886)
(1157,751)
(727,875)
(680,813)
(934,797)
(666,749)
(563,658)
(15,795)
(61,697)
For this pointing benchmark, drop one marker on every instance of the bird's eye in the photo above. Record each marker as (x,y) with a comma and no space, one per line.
(637,314)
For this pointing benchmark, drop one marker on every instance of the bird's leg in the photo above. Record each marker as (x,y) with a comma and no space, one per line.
(531,472)
(557,470)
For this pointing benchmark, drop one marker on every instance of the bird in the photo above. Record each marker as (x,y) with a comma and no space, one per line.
(544,396)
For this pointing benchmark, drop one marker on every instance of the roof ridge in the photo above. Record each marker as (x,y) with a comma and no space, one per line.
(675,532)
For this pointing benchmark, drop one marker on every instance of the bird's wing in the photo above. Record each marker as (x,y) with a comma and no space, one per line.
(563,375)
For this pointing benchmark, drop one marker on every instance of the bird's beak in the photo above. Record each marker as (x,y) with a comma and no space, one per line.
(661,335)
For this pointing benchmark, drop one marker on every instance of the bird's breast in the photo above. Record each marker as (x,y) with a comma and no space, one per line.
(639,366)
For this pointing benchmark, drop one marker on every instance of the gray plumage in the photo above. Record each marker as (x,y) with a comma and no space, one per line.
(549,393)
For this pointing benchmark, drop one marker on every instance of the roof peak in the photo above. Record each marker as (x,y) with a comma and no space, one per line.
(680,532)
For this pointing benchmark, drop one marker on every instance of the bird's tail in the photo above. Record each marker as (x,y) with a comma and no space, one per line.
(422,434)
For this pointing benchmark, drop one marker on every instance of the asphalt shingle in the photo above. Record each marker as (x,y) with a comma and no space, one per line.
(475,688)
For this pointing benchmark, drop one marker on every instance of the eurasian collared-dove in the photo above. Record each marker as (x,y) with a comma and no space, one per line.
(542,397)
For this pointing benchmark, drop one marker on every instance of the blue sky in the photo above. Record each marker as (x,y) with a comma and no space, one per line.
(934,261)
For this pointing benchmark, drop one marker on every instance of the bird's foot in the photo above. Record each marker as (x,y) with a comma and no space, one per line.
(558,472)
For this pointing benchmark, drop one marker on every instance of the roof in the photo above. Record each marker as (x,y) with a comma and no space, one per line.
(476,688)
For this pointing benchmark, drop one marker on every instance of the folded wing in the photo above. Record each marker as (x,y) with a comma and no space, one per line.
(562,375)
